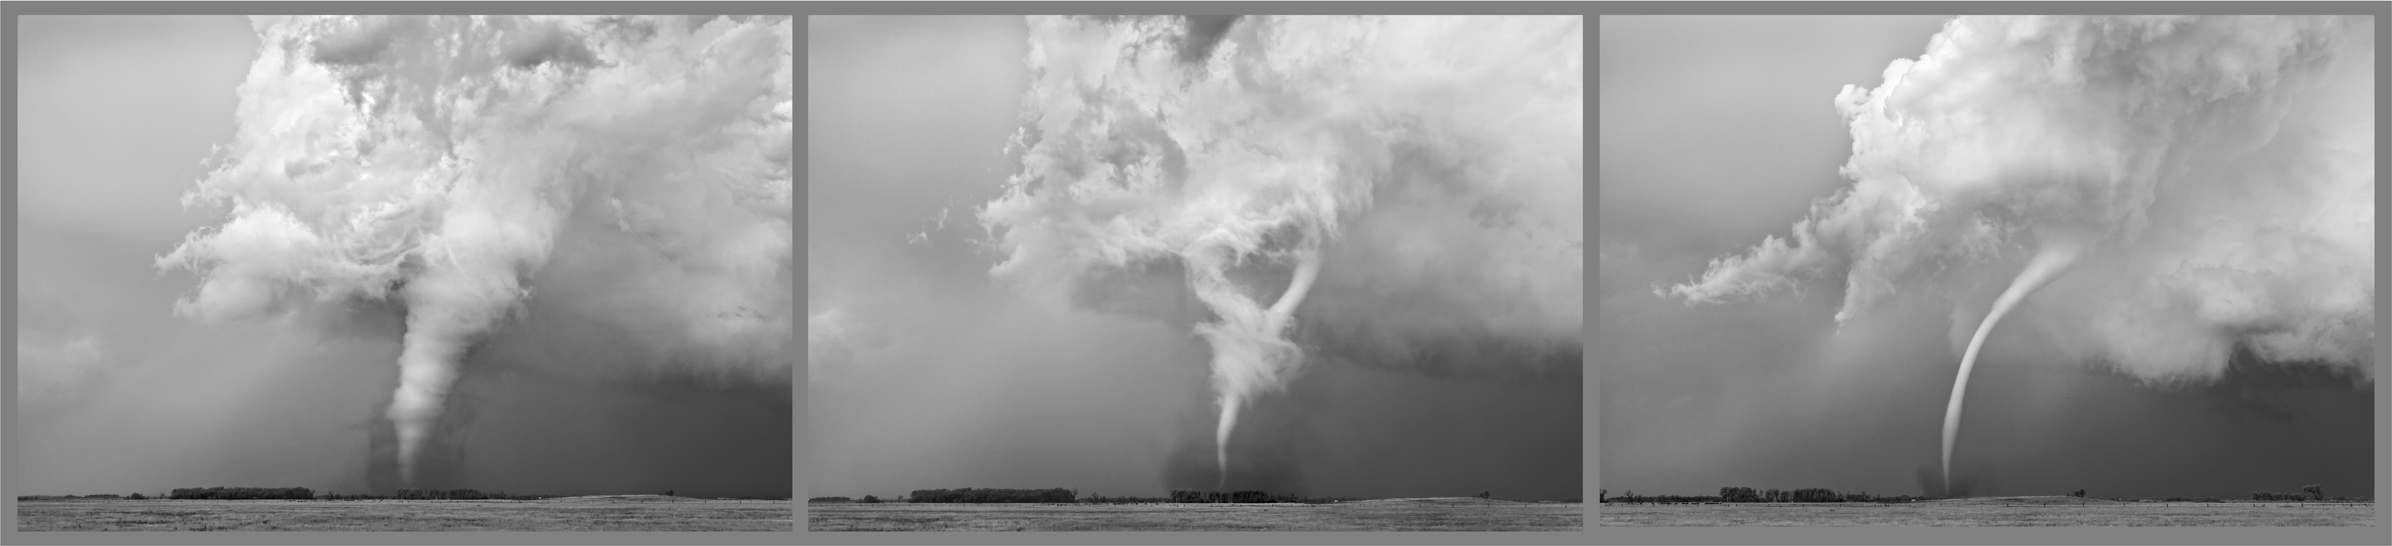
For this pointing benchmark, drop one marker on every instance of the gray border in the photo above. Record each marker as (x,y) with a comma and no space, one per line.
(1593,535)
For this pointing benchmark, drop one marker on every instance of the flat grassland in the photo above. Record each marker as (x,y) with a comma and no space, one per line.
(595,513)
(1993,511)
(1431,514)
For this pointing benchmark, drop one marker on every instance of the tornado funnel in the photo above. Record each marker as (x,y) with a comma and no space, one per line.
(1237,358)
(2056,256)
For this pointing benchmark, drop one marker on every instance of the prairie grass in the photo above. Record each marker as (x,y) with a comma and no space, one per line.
(1997,511)
(1438,514)
(605,513)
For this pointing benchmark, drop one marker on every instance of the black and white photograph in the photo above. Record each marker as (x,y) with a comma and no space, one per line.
(1987,271)
(1195,273)
(404,273)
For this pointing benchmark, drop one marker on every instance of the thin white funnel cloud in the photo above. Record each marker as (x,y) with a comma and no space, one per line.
(2057,254)
(2219,164)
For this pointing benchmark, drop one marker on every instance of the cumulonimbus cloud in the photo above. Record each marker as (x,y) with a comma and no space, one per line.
(2221,170)
(1429,169)
(442,161)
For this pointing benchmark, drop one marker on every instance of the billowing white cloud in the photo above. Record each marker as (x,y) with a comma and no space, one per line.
(638,167)
(2220,169)
(1428,169)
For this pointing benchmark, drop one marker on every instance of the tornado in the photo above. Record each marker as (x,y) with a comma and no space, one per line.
(2056,256)
(439,162)
(1450,176)
(1275,322)
(2235,219)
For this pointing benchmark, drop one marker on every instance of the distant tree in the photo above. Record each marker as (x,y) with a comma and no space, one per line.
(2315,490)
(2277,497)
(1600,493)
(1483,495)
(243,493)
(2080,493)
(136,496)
(870,498)
(976,495)
(668,492)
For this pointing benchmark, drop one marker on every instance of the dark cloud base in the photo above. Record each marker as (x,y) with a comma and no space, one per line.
(1348,430)
(527,433)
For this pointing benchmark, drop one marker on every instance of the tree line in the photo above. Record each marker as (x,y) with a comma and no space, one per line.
(1747,494)
(2311,492)
(1188,495)
(302,493)
(975,495)
(243,493)
(1061,495)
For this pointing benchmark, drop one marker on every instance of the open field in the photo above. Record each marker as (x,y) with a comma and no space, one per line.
(1993,511)
(595,513)
(1432,514)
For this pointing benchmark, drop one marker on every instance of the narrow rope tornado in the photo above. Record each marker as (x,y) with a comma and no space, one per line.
(2235,219)
(2056,256)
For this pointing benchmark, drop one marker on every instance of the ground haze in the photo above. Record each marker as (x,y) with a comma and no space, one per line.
(596,513)
(1431,514)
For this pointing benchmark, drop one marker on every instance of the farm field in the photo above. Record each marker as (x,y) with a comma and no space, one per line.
(594,513)
(1994,511)
(1432,514)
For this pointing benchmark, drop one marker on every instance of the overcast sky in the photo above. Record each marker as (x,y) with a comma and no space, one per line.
(116,393)
(1717,132)
(925,370)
